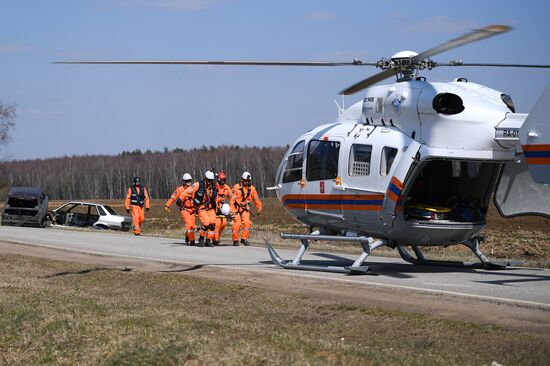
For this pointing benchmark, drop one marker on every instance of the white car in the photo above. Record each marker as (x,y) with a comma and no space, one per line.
(89,214)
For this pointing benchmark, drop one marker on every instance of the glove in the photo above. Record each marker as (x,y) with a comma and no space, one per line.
(128,210)
(166,208)
(146,208)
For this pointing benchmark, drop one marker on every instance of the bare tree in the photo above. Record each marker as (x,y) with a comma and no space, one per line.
(7,122)
(8,112)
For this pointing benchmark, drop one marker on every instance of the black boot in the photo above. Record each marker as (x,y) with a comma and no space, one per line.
(235,243)
(192,243)
(208,243)
(186,239)
(216,242)
(201,241)
(245,242)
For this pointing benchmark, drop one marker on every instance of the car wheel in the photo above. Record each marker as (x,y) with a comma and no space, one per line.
(99,227)
(46,220)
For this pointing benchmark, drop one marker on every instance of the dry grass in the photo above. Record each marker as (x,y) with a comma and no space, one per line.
(63,313)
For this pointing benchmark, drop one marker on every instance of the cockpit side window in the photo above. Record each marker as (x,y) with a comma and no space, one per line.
(322,160)
(294,164)
(386,160)
(359,160)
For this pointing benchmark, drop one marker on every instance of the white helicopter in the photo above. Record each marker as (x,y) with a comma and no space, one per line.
(414,163)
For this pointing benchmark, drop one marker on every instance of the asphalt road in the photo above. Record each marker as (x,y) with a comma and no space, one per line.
(515,286)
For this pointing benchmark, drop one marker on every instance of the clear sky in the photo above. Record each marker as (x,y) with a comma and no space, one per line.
(90,109)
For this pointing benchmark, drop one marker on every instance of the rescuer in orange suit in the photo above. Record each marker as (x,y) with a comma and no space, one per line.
(183,197)
(243,193)
(224,193)
(137,198)
(204,200)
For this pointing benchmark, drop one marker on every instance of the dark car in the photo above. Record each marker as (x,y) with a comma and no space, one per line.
(25,206)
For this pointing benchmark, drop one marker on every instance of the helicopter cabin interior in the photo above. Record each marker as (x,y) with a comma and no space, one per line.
(451,190)
(439,189)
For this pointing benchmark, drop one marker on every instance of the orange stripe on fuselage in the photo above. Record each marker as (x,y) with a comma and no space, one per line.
(537,161)
(335,207)
(397,183)
(330,197)
(535,147)
(392,196)
(373,196)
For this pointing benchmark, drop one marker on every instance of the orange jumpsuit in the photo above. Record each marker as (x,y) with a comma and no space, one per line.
(187,210)
(224,192)
(206,211)
(137,198)
(241,197)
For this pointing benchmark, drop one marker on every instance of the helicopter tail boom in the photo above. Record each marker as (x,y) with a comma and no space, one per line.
(535,139)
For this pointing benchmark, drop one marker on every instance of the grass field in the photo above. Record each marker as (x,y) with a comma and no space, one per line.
(522,238)
(55,312)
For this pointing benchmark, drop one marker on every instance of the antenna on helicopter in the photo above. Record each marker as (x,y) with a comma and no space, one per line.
(342,108)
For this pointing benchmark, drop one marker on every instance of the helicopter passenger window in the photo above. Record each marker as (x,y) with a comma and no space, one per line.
(359,160)
(386,160)
(295,161)
(322,160)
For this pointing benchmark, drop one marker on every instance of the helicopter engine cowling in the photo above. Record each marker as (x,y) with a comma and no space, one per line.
(461,115)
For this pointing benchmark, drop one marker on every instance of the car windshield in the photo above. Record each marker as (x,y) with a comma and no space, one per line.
(66,207)
(23,202)
(110,210)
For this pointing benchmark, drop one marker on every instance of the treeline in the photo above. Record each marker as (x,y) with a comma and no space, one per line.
(108,177)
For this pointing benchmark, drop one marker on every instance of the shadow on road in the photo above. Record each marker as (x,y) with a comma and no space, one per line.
(86,271)
(406,270)
(193,268)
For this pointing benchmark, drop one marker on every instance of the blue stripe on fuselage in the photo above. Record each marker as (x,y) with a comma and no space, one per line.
(537,154)
(333,202)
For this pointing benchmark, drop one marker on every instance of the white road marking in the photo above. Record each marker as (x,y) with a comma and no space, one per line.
(445,284)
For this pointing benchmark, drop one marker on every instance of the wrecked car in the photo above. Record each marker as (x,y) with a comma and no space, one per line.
(25,206)
(88,214)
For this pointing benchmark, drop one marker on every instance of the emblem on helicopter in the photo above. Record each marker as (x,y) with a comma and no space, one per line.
(396,103)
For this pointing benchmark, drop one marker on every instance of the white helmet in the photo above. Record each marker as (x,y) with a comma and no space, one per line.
(186,176)
(209,175)
(225,209)
(247,176)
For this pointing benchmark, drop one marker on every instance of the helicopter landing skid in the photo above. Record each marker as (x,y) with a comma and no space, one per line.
(356,268)
(472,244)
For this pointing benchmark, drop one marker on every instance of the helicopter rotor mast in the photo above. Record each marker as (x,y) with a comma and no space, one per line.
(407,66)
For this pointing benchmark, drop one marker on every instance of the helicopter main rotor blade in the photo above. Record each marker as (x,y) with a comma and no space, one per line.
(473,36)
(224,63)
(459,63)
(368,81)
